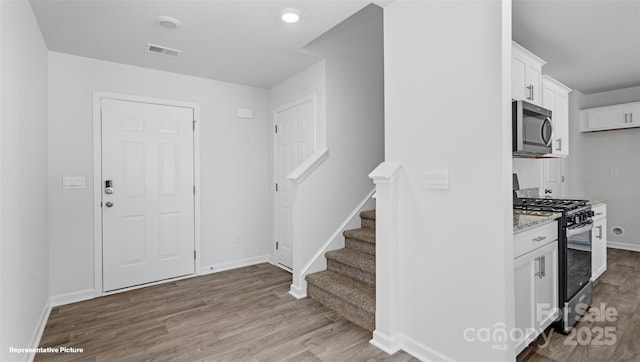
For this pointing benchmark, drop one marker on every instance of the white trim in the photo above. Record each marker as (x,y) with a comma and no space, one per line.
(73,297)
(623,246)
(307,166)
(300,291)
(420,351)
(386,172)
(390,345)
(140,286)
(97,178)
(37,333)
(236,264)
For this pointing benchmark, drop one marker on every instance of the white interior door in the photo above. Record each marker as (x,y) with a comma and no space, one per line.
(148,219)
(295,142)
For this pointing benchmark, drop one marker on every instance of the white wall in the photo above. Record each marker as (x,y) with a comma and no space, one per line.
(447,99)
(235,183)
(529,171)
(353,53)
(24,265)
(598,152)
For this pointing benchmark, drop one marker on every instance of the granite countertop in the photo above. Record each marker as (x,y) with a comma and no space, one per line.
(526,220)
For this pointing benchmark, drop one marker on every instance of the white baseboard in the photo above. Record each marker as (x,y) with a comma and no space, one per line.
(420,351)
(37,334)
(387,344)
(297,292)
(624,246)
(392,345)
(235,264)
(73,297)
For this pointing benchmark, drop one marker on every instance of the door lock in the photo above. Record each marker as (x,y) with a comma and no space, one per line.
(108,204)
(108,187)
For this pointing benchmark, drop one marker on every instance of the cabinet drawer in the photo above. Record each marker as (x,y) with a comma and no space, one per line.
(534,238)
(599,211)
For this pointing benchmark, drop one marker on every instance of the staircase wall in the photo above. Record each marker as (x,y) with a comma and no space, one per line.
(353,58)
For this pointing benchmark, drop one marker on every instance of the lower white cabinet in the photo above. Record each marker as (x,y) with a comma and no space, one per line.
(599,242)
(536,289)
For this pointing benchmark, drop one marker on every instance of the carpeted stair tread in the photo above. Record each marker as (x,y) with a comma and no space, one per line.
(361,234)
(353,258)
(370,214)
(345,288)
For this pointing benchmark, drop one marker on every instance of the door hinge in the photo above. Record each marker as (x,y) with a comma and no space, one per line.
(194,255)
(276,128)
(276,245)
(276,187)
(562,178)
(194,190)
(194,124)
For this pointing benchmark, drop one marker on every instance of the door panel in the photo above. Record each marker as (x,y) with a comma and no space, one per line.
(148,232)
(295,142)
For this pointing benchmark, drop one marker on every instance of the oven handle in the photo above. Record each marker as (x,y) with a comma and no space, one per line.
(580,230)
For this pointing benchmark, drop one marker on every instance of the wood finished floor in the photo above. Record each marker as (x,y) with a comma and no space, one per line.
(618,287)
(244,314)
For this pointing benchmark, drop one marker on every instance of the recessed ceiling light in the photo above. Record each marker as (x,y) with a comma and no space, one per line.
(168,22)
(290,15)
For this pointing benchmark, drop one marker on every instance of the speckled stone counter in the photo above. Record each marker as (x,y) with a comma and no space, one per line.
(522,222)
(597,201)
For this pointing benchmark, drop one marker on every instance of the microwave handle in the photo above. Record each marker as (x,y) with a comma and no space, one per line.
(545,124)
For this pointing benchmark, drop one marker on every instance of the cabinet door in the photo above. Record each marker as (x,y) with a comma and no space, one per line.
(607,119)
(532,79)
(518,79)
(524,298)
(599,248)
(633,115)
(546,286)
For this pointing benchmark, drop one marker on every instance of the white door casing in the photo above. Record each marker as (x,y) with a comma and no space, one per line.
(294,142)
(148,234)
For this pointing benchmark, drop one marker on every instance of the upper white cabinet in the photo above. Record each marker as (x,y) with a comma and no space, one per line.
(526,73)
(555,97)
(610,117)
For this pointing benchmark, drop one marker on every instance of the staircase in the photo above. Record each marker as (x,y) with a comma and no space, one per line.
(348,286)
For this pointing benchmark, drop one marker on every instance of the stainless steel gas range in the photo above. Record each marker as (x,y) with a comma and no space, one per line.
(574,253)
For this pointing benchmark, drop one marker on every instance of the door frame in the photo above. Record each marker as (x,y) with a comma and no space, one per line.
(97,182)
(274,168)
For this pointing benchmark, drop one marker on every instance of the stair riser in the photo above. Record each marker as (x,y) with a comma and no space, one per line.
(351,272)
(345,309)
(361,246)
(368,224)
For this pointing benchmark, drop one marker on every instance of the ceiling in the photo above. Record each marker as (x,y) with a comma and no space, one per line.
(239,41)
(591,46)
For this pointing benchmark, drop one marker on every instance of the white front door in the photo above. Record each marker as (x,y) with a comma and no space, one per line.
(148,215)
(295,142)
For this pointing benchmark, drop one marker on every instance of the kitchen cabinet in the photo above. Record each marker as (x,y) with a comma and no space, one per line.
(526,73)
(599,241)
(610,117)
(553,177)
(536,282)
(555,97)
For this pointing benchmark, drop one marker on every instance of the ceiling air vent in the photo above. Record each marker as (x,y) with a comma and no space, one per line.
(159,49)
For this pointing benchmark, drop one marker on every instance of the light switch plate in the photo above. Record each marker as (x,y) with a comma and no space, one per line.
(73,182)
(436,179)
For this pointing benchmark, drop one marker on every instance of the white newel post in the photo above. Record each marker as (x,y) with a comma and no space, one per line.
(385,177)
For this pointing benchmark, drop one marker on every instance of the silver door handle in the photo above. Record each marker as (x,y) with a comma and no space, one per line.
(539,272)
(108,204)
(543,268)
(530,88)
(559,148)
(599,232)
(539,238)
(625,118)
(630,117)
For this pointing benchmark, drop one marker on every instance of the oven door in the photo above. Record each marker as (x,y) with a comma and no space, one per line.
(578,257)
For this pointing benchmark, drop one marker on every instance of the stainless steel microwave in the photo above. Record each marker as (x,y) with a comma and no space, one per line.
(532,129)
